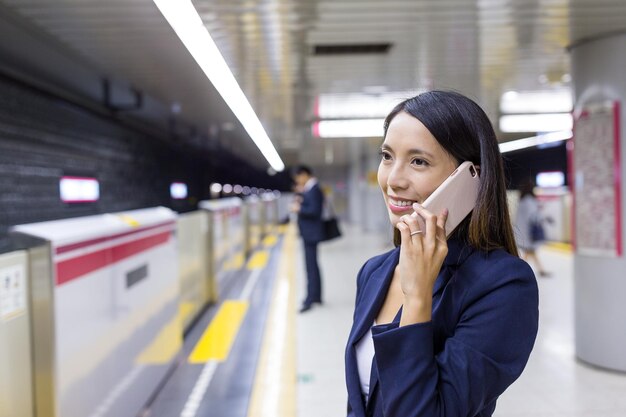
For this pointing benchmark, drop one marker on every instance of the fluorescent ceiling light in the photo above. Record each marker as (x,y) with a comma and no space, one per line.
(348,128)
(359,105)
(216,187)
(550,179)
(553,137)
(548,101)
(188,25)
(547,122)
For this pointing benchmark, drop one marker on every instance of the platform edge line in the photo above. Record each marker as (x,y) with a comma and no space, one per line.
(274,390)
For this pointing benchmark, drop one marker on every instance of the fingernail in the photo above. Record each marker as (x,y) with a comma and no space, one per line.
(417,206)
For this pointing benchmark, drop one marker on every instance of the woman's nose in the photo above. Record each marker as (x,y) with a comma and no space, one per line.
(397,177)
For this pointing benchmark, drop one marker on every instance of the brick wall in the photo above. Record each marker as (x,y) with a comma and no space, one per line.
(43,138)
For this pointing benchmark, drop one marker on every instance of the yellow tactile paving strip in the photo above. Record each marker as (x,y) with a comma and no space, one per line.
(218,338)
(169,340)
(274,392)
(258,260)
(270,240)
(235,262)
(164,346)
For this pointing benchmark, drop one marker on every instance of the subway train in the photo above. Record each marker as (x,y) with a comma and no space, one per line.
(101,303)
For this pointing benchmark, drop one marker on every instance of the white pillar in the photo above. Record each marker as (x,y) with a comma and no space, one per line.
(598,73)
(355,194)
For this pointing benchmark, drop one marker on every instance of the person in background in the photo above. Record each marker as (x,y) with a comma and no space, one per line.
(528,211)
(308,206)
(442,326)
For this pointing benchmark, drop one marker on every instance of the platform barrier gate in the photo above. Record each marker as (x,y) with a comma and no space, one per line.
(16,393)
(105,311)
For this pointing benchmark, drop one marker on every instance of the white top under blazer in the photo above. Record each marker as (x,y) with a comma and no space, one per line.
(364,358)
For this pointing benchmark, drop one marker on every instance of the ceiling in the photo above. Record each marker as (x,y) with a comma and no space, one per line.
(482,48)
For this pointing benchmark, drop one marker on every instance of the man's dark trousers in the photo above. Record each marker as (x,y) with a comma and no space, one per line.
(312,231)
(314,282)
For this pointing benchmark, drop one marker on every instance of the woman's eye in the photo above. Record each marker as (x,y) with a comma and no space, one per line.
(419,162)
(386,156)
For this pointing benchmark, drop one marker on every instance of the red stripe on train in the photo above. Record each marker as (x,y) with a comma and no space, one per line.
(79,245)
(71,269)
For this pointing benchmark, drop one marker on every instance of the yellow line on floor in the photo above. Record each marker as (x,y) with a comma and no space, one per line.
(163,348)
(274,391)
(235,262)
(270,241)
(187,308)
(559,246)
(186,311)
(218,338)
(258,260)
(168,341)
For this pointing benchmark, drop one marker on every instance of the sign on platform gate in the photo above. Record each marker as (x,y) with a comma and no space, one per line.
(12,291)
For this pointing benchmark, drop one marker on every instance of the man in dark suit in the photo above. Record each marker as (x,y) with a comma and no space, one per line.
(309,206)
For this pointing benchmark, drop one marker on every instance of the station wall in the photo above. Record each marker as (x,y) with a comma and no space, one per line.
(43,138)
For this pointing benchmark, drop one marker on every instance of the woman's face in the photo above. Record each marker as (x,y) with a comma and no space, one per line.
(412,165)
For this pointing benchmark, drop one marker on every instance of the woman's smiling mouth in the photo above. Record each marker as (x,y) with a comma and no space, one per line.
(397,205)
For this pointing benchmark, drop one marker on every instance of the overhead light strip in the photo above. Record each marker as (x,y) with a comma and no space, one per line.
(184,19)
(348,128)
(552,137)
(542,122)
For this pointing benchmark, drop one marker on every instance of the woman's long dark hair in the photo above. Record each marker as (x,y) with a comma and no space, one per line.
(463,129)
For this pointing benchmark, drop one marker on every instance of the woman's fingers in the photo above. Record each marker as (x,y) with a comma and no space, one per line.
(430,223)
(434,240)
(441,225)
(412,222)
(422,251)
(413,229)
(405,232)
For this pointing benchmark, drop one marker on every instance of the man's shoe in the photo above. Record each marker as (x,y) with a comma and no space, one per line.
(305,308)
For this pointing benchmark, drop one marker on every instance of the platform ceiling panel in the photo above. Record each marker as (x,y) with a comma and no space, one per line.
(480,47)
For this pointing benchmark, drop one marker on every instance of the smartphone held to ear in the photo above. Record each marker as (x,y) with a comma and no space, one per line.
(458,193)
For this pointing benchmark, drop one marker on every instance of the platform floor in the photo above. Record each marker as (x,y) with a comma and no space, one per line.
(285,364)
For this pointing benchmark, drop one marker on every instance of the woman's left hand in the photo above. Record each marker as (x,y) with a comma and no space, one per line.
(422,253)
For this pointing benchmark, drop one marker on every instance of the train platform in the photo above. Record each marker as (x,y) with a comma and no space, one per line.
(276,362)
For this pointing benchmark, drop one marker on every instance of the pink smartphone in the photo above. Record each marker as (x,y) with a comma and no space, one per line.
(458,193)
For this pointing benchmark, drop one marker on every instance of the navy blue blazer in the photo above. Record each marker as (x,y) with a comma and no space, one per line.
(310,215)
(483,327)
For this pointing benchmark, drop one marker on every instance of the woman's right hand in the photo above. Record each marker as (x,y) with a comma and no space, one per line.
(422,253)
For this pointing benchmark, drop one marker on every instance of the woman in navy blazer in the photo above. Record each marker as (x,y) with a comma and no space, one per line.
(441,327)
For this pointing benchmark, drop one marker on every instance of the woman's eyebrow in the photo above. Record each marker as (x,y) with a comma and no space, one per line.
(420,152)
(415,151)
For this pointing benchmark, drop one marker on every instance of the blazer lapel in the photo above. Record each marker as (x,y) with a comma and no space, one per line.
(457,253)
(375,290)
(370,300)
(372,296)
